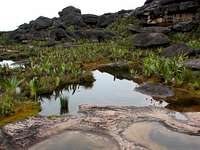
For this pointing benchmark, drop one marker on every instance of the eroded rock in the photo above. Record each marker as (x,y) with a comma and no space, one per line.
(108,121)
(146,40)
(176,50)
(193,64)
(155,90)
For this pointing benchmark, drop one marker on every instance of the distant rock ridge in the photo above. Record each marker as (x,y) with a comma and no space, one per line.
(161,16)
(168,12)
(68,26)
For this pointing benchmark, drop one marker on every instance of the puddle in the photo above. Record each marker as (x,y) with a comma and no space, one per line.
(157,137)
(178,116)
(11,64)
(77,140)
(106,90)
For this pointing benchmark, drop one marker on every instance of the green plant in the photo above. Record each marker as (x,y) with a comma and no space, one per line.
(6,105)
(33,88)
(194,44)
(11,84)
(168,68)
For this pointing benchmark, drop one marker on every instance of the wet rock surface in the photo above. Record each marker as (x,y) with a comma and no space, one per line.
(110,121)
(155,90)
(77,140)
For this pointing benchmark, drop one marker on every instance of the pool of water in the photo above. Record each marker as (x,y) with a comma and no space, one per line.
(106,90)
(11,64)
(77,140)
(157,137)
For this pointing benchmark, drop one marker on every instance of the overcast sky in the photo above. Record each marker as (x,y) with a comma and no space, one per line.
(16,12)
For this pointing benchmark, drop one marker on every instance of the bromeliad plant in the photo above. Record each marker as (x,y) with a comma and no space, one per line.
(33,88)
(11,85)
(168,68)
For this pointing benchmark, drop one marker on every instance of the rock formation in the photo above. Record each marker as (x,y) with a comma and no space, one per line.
(169,12)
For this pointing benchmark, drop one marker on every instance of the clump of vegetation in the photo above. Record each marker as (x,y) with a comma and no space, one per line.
(170,69)
(6,105)
(195,44)
(120,26)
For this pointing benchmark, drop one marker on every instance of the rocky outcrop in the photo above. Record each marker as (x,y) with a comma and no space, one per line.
(113,122)
(148,40)
(193,64)
(90,19)
(106,20)
(71,16)
(68,26)
(177,50)
(154,29)
(168,12)
(94,35)
(185,26)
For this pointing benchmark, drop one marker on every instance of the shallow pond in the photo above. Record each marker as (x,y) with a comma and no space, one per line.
(157,137)
(106,90)
(77,140)
(11,64)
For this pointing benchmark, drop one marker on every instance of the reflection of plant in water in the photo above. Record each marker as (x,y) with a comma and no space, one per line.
(64,108)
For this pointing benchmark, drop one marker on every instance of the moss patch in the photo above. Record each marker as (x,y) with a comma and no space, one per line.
(22,110)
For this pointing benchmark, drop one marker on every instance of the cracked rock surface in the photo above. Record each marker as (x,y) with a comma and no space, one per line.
(113,125)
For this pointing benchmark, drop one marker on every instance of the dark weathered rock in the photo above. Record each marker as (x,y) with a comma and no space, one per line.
(168,12)
(153,29)
(184,26)
(156,90)
(41,23)
(176,50)
(71,16)
(94,35)
(193,64)
(106,19)
(59,34)
(90,19)
(145,40)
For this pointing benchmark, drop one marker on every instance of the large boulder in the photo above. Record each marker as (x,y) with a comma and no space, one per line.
(106,19)
(59,34)
(41,23)
(176,50)
(155,90)
(145,40)
(90,19)
(193,64)
(71,16)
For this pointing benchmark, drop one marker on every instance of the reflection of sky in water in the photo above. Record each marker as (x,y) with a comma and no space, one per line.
(173,140)
(105,91)
(10,64)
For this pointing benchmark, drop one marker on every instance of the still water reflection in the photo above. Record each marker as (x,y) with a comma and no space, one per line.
(106,90)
